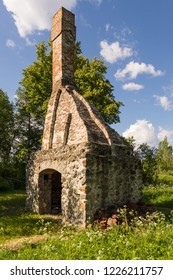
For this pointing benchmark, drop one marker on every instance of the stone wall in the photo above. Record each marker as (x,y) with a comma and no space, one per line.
(70,162)
(70,119)
(112,178)
(92,177)
(83,164)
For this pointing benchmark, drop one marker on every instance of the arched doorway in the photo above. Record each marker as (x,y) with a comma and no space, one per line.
(50,188)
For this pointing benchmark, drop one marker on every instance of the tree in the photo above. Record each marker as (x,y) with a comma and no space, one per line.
(28,132)
(90,79)
(6,126)
(147,156)
(36,88)
(130,142)
(6,139)
(164,156)
(31,103)
(36,84)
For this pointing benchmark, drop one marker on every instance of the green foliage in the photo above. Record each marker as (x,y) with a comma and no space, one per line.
(6,140)
(169,172)
(164,156)
(157,163)
(165,179)
(141,237)
(6,126)
(150,239)
(28,132)
(5,185)
(90,79)
(31,103)
(130,141)
(147,156)
(35,91)
(36,84)
(12,175)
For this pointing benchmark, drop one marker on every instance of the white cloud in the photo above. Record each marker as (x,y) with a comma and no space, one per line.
(10,43)
(164,102)
(29,42)
(169,89)
(107,27)
(133,69)
(124,34)
(163,132)
(31,15)
(132,86)
(113,52)
(143,132)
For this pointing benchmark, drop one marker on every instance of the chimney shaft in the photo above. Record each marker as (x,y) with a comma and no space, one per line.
(63,45)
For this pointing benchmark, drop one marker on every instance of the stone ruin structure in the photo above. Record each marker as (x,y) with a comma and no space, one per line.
(83,164)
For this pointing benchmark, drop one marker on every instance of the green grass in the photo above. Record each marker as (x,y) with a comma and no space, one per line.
(148,236)
(160,197)
(12,202)
(15,222)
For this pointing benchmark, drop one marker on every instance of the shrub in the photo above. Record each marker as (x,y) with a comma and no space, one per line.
(5,185)
(165,179)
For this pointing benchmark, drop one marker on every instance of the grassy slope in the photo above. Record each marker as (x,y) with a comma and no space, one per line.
(30,236)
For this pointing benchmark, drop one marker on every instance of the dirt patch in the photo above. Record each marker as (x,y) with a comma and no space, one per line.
(16,244)
(111,216)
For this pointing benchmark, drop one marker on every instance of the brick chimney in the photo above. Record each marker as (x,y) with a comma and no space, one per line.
(63,45)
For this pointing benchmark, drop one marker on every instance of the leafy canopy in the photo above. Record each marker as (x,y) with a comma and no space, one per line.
(31,103)
(90,79)
(6,139)
(36,84)
(6,126)
(164,156)
(36,87)
(147,156)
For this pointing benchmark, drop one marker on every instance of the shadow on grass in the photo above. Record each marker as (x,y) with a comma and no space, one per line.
(12,204)
(20,226)
(16,221)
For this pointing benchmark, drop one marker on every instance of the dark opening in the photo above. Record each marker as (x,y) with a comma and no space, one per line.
(46,178)
(50,188)
(56,188)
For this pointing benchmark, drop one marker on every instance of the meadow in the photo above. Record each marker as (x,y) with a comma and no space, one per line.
(146,235)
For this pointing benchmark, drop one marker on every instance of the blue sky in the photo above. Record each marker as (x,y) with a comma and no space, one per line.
(133,37)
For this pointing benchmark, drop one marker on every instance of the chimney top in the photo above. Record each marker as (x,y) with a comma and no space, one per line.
(63,45)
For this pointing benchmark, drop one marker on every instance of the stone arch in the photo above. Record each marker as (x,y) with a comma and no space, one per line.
(50,189)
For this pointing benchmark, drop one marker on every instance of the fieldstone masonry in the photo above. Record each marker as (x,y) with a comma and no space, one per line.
(83,164)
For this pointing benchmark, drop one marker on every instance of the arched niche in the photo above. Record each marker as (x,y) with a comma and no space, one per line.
(50,188)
